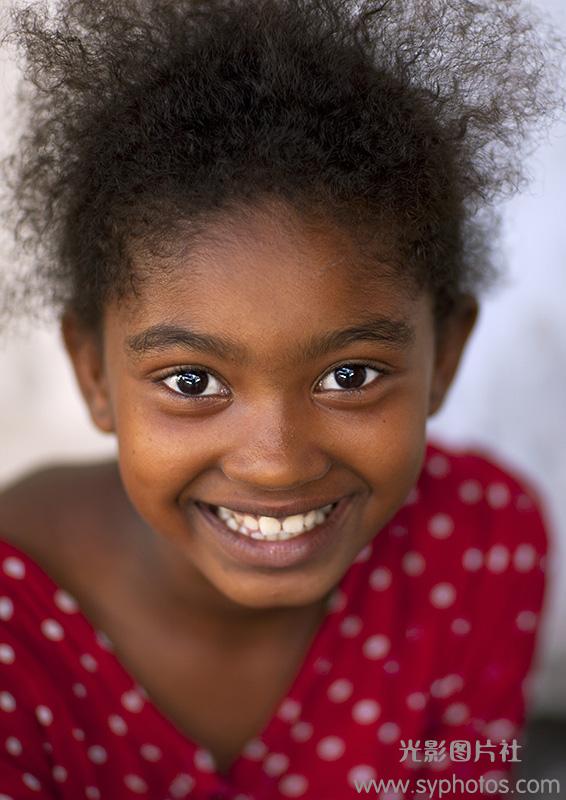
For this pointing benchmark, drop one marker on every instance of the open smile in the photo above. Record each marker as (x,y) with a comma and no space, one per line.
(260,540)
(272,528)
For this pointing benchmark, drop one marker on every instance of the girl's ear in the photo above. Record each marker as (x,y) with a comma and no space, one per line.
(451,339)
(86,353)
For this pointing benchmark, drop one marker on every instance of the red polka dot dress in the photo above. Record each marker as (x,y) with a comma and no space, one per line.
(417,672)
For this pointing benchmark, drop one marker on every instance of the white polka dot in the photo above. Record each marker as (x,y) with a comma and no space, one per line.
(472,559)
(117,725)
(5,797)
(14,746)
(44,715)
(322,666)
(497,495)
(336,601)
(441,526)
(204,760)
(7,655)
(350,627)
(6,608)
(293,785)
(524,558)
(460,626)
(444,687)
(48,747)
(399,531)
(377,646)
(14,567)
(52,630)
(416,701)
(59,773)
(65,602)
(363,555)
(526,621)
(366,711)
(442,595)
(104,642)
(380,579)
(413,563)
(301,731)
(132,701)
(456,714)
(78,734)
(92,793)
(470,492)
(135,784)
(496,775)
(289,710)
(275,764)
(89,662)
(438,466)
(97,754)
(388,732)
(79,690)
(391,667)
(499,729)
(150,752)
(182,785)
(438,766)
(31,782)
(255,750)
(330,748)
(340,690)
(7,701)
(497,558)
(412,497)
(361,773)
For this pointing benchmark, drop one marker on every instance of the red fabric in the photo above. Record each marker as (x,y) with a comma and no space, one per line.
(429,637)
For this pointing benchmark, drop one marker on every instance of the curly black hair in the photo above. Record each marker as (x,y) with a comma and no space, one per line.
(401,120)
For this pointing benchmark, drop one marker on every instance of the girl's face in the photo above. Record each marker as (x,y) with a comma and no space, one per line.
(261,374)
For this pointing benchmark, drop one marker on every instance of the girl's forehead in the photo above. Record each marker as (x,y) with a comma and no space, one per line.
(270,257)
(264,289)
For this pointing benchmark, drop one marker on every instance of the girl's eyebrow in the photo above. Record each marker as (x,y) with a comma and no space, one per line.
(157,338)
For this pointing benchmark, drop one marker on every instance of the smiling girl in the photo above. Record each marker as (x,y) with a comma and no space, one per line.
(261,224)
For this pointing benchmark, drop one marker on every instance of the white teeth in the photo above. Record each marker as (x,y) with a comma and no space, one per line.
(251,523)
(294,524)
(310,519)
(269,525)
(270,528)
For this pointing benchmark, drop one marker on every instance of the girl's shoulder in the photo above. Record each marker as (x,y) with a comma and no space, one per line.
(55,514)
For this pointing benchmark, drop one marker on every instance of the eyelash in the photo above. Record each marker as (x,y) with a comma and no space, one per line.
(354,392)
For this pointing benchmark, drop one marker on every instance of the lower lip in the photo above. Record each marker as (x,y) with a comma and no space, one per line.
(281,553)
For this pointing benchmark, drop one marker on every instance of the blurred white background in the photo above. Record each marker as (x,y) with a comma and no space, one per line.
(509,398)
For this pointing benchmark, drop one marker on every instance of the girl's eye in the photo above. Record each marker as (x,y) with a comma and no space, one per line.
(350,377)
(194,382)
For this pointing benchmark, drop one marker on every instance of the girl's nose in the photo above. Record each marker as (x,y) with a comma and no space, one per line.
(275,449)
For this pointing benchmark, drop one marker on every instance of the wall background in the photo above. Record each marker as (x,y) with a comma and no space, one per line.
(509,398)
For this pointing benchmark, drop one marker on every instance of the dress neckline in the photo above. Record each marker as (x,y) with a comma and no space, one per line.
(304,680)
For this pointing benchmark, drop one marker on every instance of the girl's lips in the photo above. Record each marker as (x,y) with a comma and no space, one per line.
(280,553)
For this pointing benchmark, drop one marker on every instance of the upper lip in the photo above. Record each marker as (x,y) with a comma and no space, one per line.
(280,510)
